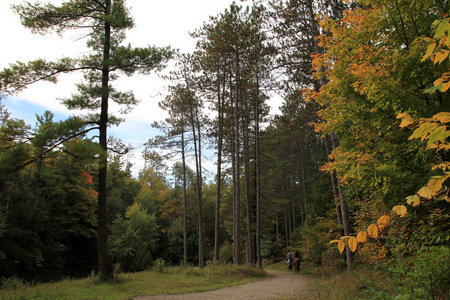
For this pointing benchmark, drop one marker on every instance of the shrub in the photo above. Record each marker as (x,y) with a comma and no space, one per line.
(425,275)
(159,265)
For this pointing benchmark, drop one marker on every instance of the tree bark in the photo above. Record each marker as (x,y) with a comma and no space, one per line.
(104,261)
(221,100)
(344,211)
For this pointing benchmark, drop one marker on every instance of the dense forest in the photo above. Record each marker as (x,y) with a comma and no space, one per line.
(357,157)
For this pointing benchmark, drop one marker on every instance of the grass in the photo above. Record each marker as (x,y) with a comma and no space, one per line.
(174,280)
(359,283)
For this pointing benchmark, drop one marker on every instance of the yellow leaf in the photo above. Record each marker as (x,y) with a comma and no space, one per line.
(333,241)
(405,122)
(341,246)
(435,184)
(372,230)
(443,117)
(361,237)
(430,49)
(352,244)
(383,222)
(413,200)
(400,210)
(445,86)
(426,192)
(438,81)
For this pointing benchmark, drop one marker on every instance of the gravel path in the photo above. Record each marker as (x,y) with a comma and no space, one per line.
(278,285)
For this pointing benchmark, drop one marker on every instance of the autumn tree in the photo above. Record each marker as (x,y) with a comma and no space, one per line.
(374,72)
(105,23)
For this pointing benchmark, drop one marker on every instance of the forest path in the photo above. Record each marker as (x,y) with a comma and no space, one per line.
(279,285)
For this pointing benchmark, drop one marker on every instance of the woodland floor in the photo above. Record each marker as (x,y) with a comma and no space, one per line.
(279,286)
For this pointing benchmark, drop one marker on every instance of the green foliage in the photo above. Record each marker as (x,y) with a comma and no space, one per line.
(159,265)
(314,240)
(424,275)
(133,239)
(12,283)
(226,254)
(272,248)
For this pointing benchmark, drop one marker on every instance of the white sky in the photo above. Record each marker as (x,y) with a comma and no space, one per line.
(159,23)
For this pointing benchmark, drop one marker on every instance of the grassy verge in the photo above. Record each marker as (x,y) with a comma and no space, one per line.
(176,280)
(360,283)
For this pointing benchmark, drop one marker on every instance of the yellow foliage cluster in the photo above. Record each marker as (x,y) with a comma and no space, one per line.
(372,231)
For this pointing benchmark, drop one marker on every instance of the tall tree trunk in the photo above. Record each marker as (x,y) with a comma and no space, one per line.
(183,157)
(305,208)
(104,261)
(344,210)
(334,185)
(286,228)
(221,101)
(277,226)
(198,160)
(258,182)
(245,124)
(237,185)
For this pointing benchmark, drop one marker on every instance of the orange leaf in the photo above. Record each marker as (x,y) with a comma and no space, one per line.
(352,244)
(372,230)
(341,246)
(383,222)
(361,237)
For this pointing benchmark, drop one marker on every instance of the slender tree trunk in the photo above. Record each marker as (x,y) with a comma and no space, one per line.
(305,208)
(344,210)
(183,157)
(245,123)
(258,182)
(104,261)
(334,185)
(277,226)
(286,228)
(197,150)
(290,226)
(237,185)
(221,101)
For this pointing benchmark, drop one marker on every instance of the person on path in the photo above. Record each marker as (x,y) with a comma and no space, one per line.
(289,260)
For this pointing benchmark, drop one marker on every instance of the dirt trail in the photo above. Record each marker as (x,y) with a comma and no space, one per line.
(279,285)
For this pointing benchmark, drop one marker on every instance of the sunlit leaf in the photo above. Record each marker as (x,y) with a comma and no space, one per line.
(352,244)
(333,241)
(424,130)
(440,31)
(426,192)
(383,222)
(341,246)
(400,210)
(435,184)
(413,200)
(361,237)
(372,230)
(443,117)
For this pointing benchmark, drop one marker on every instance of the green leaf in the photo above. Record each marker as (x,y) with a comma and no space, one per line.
(423,131)
(440,31)
(439,134)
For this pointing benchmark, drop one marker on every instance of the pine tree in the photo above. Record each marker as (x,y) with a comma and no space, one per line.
(106,21)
